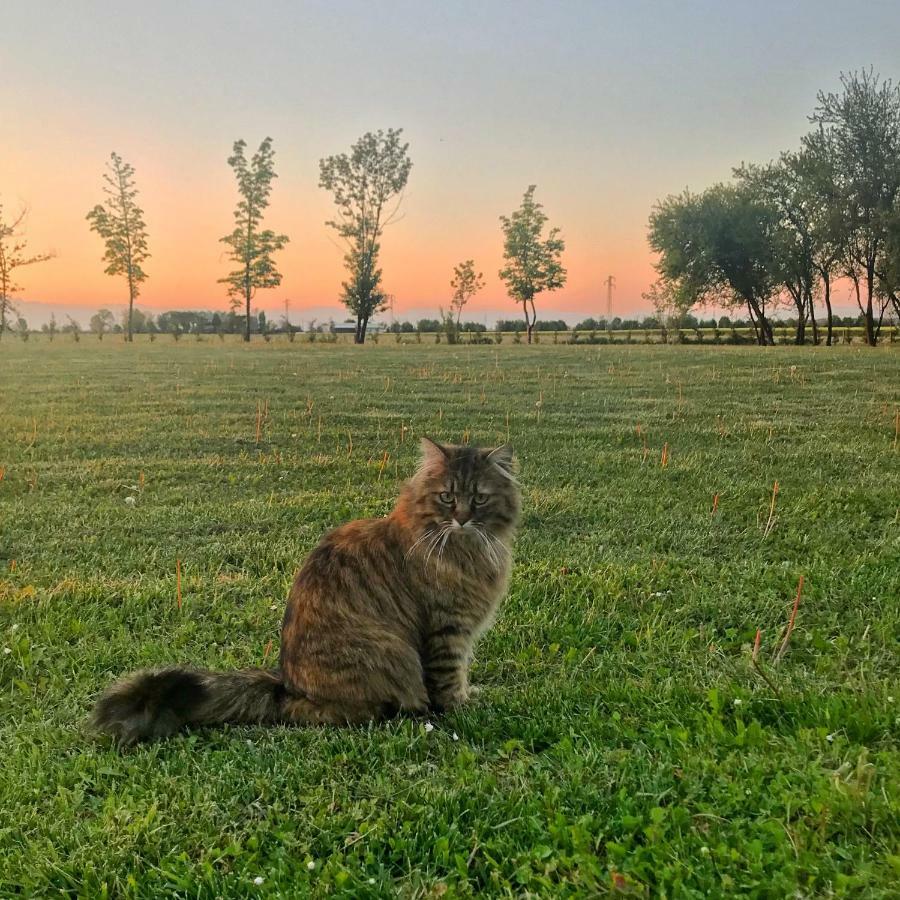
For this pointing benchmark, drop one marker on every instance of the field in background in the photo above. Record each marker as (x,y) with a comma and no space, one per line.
(784,334)
(622,739)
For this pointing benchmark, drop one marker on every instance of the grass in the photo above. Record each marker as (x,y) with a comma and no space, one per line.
(623,740)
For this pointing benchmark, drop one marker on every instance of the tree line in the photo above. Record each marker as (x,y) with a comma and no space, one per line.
(786,231)
(367,186)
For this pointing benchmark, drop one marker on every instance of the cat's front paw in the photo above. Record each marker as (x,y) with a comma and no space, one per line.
(450,700)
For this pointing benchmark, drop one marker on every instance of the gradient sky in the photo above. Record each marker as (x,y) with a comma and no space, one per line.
(606,106)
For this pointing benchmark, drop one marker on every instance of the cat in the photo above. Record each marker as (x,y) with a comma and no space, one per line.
(381,619)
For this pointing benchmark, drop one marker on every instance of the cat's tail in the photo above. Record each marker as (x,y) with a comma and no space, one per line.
(150,705)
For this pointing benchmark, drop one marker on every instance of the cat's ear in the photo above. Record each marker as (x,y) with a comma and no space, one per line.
(432,451)
(503,458)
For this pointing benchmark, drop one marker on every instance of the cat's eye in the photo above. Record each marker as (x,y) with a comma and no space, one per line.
(480,499)
(446,497)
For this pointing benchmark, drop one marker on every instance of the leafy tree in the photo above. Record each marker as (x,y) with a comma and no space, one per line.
(782,186)
(22,329)
(670,301)
(859,133)
(720,245)
(889,262)
(101,322)
(136,319)
(120,222)
(533,264)
(251,246)
(466,283)
(367,186)
(12,257)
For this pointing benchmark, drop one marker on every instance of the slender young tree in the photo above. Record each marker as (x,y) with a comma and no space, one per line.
(250,245)
(120,222)
(367,185)
(13,256)
(533,263)
(466,283)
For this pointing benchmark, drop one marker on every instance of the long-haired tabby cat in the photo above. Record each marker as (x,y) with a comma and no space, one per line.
(381,619)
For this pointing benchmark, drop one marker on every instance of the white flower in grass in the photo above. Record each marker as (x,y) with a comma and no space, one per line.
(830,737)
(258,880)
(7,650)
(311,865)
(371,881)
(130,501)
(738,701)
(455,736)
(428,728)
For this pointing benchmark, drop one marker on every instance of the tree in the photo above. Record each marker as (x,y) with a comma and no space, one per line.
(50,328)
(250,246)
(533,265)
(120,222)
(12,257)
(670,301)
(720,245)
(859,133)
(466,283)
(889,262)
(135,320)
(101,322)
(781,185)
(367,186)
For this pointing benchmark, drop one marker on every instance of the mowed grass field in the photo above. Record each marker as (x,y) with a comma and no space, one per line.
(622,741)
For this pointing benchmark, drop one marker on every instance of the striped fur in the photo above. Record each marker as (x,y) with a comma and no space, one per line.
(381,619)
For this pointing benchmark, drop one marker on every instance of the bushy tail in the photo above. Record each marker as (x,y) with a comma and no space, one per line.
(150,705)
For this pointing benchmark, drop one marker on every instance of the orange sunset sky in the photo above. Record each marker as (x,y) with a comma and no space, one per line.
(605,106)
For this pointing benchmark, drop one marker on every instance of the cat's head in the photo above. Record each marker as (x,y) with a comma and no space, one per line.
(465,488)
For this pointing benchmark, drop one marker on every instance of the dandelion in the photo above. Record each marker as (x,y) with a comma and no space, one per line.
(456,736)
(258,880)
(738,701)
(371,881)
(130,501)
(428,728)
(6,651)
(311,865)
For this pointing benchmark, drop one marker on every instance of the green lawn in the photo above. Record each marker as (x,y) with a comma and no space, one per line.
(622,739)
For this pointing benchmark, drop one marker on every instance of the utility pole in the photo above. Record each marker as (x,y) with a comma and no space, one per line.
(287,312)
(610,284)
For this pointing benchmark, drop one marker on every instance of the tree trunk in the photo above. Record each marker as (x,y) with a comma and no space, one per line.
(826,280)
(753,322)
(871,332)
(362,323)
(247,316)
(811,306)
(529,325)
(129,337)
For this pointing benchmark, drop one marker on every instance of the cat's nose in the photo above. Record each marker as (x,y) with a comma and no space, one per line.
(462,516)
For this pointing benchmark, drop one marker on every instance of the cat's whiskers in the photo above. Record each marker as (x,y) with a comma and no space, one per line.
(443,532)
(425,534)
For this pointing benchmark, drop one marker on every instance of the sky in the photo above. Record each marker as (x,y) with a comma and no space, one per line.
(605,106)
